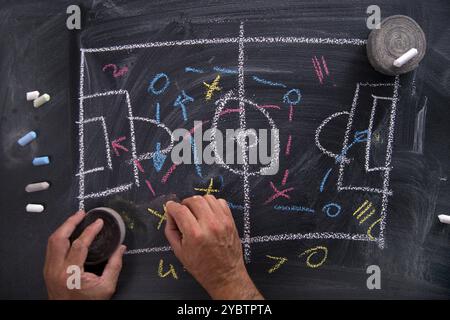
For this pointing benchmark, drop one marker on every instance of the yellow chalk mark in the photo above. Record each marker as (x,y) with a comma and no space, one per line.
(364,211)
(281,261)
(311,252)
(159,215)
(171,270)
(367,216)
(209,189)
(369,231)
(214,86)
(360,207)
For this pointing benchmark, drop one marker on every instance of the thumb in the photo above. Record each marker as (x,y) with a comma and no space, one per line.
(113,267)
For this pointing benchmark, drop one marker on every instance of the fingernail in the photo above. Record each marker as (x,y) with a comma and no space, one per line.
(123,248)
(80,212)
(98,222)
(170,202)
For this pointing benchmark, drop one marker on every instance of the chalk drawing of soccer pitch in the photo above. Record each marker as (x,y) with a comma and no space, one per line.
(239,95)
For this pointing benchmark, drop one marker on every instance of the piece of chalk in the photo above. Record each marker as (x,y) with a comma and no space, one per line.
(26,139)
(444,218)
(38,186)
(41,100)
(408,55)
(34,207)
(41,161)
(32,95)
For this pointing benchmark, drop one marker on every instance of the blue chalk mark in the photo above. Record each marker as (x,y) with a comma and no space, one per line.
(287,97)
(360,136)
(235,206)
(330,207)
(195,70)
(26,139)
(158,158)
(294,208)
(225,70)
(180,102)
(324,180)
(222,183)
(158,113)
(268,82)
(41,161)
(198,168)
(151,87)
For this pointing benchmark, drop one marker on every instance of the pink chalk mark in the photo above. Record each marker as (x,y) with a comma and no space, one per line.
(278,193)
(288,146)
(319,67)
(285,177)
(228,110)
(168,173)
(139,166)
(317,70)
(116,71)
(116,146)
(291,113)
(325,66)
(149,185)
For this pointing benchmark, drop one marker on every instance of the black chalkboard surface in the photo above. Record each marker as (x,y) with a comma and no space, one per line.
(363,157)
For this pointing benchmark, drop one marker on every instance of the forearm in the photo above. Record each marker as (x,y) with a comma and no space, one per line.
(239,286)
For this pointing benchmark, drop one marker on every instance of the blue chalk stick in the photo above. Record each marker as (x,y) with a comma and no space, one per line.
(41,161)
(26,139)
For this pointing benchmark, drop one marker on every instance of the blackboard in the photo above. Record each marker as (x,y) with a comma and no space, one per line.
(324,217)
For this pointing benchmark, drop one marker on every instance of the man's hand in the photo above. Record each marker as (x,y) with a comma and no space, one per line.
(203,235)
(60,255)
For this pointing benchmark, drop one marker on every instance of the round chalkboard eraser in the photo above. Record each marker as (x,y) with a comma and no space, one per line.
(397,47)
(109,238)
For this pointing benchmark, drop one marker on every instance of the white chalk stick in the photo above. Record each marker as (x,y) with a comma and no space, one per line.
(38,186)
(34,207)
(408,55)
(444,218)
(32,95)
(41,100)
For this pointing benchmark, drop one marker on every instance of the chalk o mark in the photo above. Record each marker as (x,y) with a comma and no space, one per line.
(152,89)
(292,97)
(312,252)
(332,209)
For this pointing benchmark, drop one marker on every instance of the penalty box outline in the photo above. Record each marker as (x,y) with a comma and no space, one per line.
(240,41)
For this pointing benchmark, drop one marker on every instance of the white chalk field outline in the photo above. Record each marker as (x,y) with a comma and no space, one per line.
(277,237)
(369,135)
(385,191)
(149,155)
(240,41)
(105,136)
(90,171)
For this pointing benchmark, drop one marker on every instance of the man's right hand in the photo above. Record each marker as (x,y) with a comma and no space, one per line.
(203,236)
